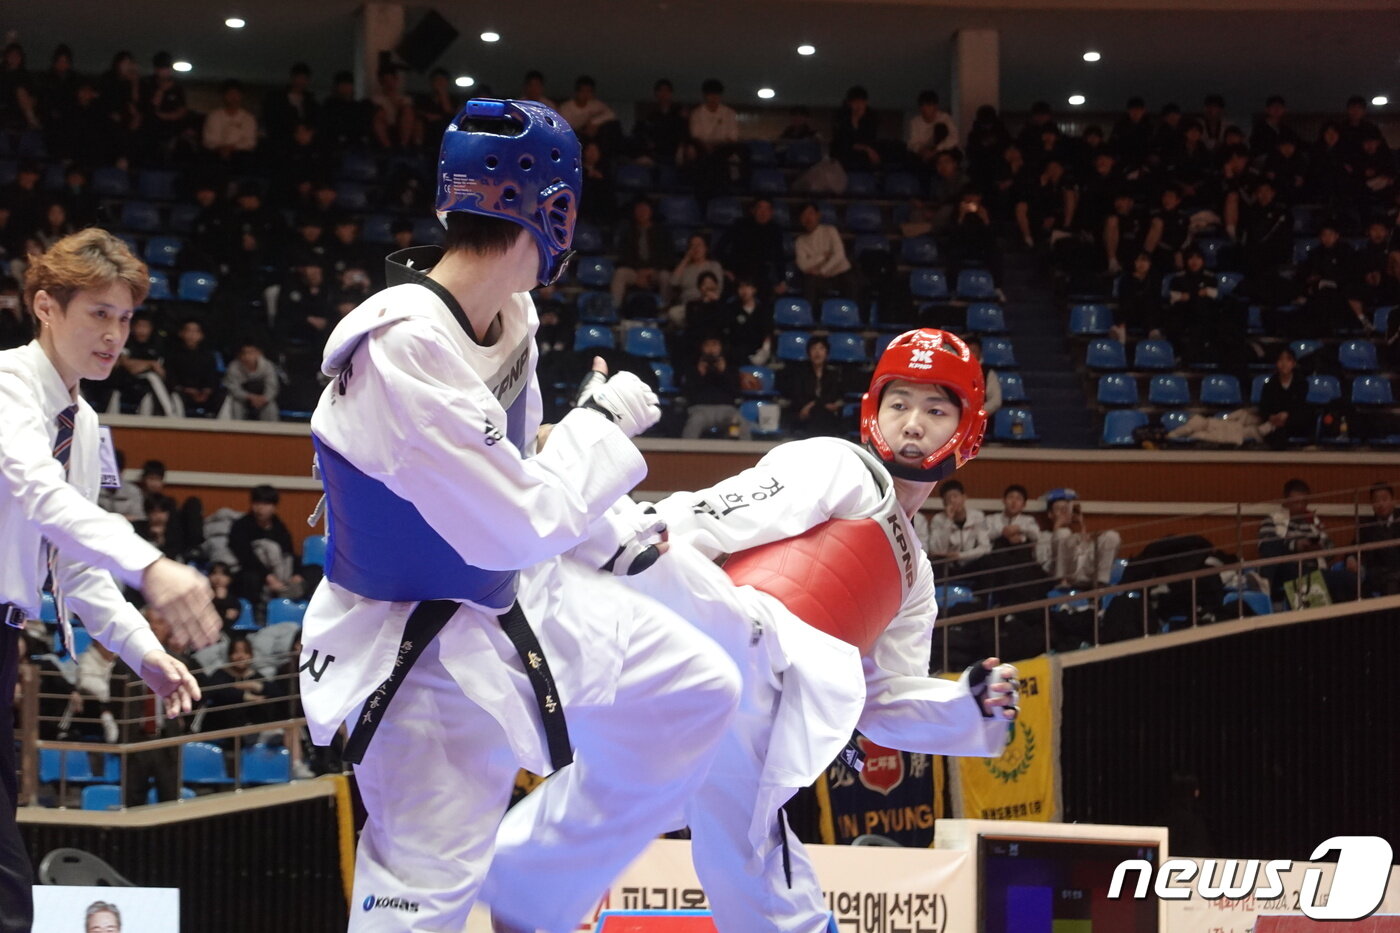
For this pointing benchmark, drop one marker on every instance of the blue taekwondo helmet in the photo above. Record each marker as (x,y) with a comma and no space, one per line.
(518,160)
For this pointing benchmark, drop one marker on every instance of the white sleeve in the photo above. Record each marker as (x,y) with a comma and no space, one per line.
(498,510)
(729,132)
(93,597)
(909,710)
(796,486)
(939,534)
(807,252)
(951,140)
(993,402)
(975,542)
(29,475)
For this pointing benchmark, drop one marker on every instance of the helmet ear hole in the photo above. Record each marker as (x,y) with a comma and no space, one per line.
(554,154)
(492,162)
(508,194)
(526,163)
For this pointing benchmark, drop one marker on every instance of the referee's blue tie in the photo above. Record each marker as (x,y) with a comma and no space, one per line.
(62,451)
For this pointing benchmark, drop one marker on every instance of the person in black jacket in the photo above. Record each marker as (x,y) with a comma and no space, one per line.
(267,560)
(753,249)
(1283,403)
(710,389)
(815,392)
(192,372)
(855,137)
(646,254)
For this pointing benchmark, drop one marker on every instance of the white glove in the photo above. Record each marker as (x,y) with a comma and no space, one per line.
(996,690)
(626,400)
(641,551)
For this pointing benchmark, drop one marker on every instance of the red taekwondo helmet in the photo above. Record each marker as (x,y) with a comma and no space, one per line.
(933,357)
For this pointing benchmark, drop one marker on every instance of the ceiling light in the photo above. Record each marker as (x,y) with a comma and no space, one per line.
(1380,100)
(1076,100)
(806,50)
(182,66)
(235,22)
(465,81)
(1092,56)
(490,37)
(767,93)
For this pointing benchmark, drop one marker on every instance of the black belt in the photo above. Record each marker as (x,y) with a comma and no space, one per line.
(424,624)
(13,615)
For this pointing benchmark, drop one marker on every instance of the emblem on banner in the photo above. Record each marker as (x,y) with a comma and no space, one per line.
(884,767)
(1016,758)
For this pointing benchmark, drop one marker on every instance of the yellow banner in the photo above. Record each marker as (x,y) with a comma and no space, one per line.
(1024,782)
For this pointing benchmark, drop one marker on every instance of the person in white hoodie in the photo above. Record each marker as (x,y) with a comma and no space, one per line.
(448,635)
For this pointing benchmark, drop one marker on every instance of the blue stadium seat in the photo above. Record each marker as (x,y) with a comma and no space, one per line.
(1227,282)
(1089,320)
(76,767)
(48,611)
(313,550)
(864,217)
(918,250)
(860,185)
(1302,247)
(633,177)
(102,797)
(379,230)
(1381,321)
(285,610)
(768,181)
(1117,389)
(1154,354)
(1168,390)
(111,182)
(183,217)
(781,215)
(141,216)
(1118,428)
(792,313)
(1358,356)
(762,152)
(1170,421)
(358,166)
(160,287)
(1013,387)
(596,308)
(902,185)
(723,211)
(1221,391)
(986,318)
(847,348)
(792,345)
(802,152)
(1256,388)
(750,412)
(883,340)
(998,353)
(164,251)
(976,284)
(767,381)
(1212,247)
(680,210)
(1257,603)
(588,238)
(204,764)
(1302,348)
(1305,218)
(55,174)
(198,287)
(841,314)
(266,764)
(1323,389)
(352,197)
(246,622)
(1105,354)
(665,376)
(593,336)
(949,596)
(647,342)
(1372,390)
(185,794)
(427,231)
(870,243)
(928,284)
(156,184)
(1013,424)
(594,271)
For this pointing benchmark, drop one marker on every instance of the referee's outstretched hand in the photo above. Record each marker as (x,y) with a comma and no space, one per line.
(184,597)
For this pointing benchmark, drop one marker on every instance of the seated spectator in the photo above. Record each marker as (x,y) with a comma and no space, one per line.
(1124,232)
(55,225)
(972,240)
(1270,128)
(1330,179)
(1283,403)
(645,254)
(1011,571)
(1044,209)
(25,200)
(125,500)
(815,392)
(1295,528)
(685,277)
(231,132)
(931,131)
(590,118)
(1367,284)
(753,249)
(1192,316)
(1374,167)
(821,255)
(1287,168)
(855,139)
(192,372)
(252,385)
(92,694)
(165,117)
(437,108)
(1266,232)
(267,562)
(1132,136)
(799,126)
(394,123)
(749,324)
(1355,127)
(163,528)
(141,717)
(152,484)
(233,695)
(533,89)
(141,362)
(1382,566)
(309,242)
(946,189)
(704,317)
(1067,551)
(304,312)
(16,325)
(993,400)
(661,130)
(957,535)
(345,121)
(710,388)
(1322,276)
(986,142)
(598,204)
(287,108)
(1213,121)
(714,138)
(1169,231)
(225,603)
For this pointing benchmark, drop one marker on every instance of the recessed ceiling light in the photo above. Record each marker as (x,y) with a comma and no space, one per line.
(1092,56)
(235,22)
(490,37)
(465,81)
(182,66)
(767,93)
(1380,100)
(806,50)
(1076,100)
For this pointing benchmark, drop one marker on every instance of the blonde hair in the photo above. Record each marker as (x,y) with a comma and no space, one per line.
(89,259)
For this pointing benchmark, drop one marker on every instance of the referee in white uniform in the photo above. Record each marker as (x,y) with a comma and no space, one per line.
(82,291)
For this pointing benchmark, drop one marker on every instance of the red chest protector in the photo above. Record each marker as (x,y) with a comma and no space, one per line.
(846,577)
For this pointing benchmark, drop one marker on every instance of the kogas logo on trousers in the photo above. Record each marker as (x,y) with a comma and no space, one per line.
(392,903)
(1358,882)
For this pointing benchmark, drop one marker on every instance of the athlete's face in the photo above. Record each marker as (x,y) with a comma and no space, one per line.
(916,419)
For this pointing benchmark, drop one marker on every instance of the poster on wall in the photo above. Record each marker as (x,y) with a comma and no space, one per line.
(75,909)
